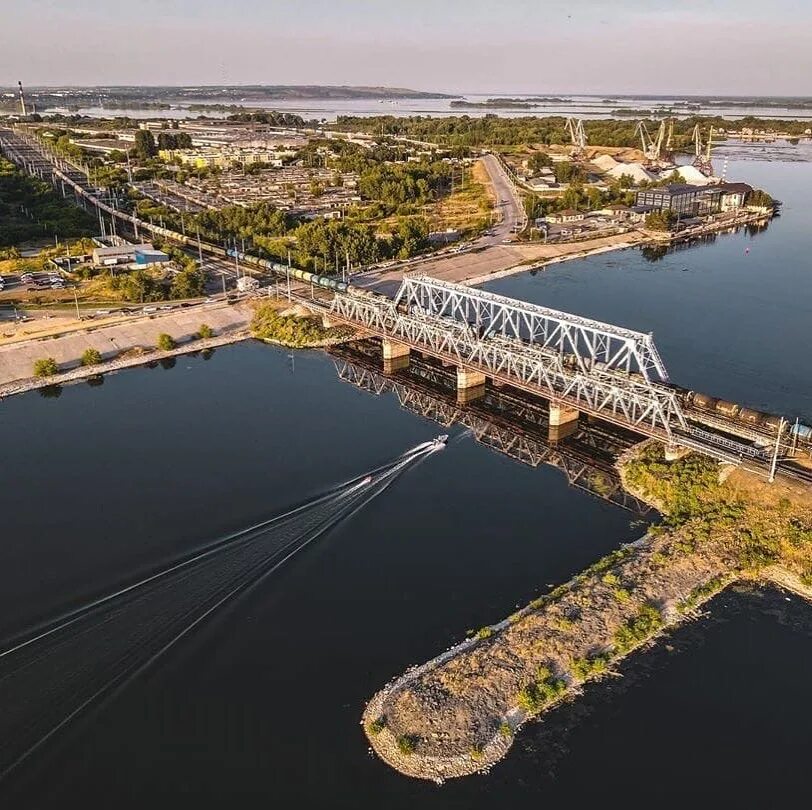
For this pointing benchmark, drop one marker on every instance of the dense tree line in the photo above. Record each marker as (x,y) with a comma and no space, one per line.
(174,140)
(271,118)
(491,130)
(30,208)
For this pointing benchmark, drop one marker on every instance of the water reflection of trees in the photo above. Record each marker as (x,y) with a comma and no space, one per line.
(51,391)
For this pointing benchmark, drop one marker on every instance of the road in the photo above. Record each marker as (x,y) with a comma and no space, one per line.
(490,253)
(508,203)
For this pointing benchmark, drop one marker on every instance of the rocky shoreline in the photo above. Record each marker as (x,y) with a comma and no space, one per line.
(458,713)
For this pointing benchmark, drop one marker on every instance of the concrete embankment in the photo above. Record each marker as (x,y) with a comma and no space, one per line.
(121,345)
(458,713)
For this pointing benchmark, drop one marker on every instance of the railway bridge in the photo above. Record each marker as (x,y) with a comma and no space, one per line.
(582,366)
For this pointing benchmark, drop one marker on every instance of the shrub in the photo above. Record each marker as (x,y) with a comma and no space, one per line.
(205,331)
(484,632)
(476,753)
(407,744)
(637,629)
(91,357)
(45,367)
(375,727)
(543,691)
(583,668)
(506,730)
(165,342)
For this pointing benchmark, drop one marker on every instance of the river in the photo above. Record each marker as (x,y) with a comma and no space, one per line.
(587,107)
(261,704)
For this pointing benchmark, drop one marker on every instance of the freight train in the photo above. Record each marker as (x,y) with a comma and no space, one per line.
(766,422)
(138,224)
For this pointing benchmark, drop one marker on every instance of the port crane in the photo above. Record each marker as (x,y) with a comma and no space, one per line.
(575,128)
(656,149)
(702,153)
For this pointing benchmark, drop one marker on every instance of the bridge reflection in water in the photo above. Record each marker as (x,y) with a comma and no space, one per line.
(503,419)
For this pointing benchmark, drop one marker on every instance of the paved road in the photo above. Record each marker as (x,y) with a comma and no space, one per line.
(493,251)
(508,203)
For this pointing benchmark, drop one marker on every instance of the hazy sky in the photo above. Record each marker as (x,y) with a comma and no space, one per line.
(711,46)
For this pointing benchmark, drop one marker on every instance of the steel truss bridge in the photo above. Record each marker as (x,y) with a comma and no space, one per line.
(596,368)
(501,422)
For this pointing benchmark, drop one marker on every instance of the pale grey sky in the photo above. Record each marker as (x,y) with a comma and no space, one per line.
(716,46)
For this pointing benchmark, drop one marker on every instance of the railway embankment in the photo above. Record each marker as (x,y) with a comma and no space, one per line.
(459,713)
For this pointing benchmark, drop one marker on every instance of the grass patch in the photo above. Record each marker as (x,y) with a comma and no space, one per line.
(637,629)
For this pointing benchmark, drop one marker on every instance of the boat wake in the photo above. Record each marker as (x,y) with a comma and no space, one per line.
(52,674)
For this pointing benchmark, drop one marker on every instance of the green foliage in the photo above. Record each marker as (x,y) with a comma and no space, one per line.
(760,198)
(407,743)
(639,628)
(205,331)
(174,140)
(701,593)
(477,753)
(660,220)
(268,324)
(541,693)
(538,161)
(188,283)
(166,342)
(375,727)
(30,209)
(145,147)
(45,367)
(91,357)
(490,130)
(484,632)
(589,667)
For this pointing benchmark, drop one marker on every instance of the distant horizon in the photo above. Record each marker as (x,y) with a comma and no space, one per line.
(423,90)
(631,47)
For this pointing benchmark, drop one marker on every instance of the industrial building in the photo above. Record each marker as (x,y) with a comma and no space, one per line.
(144,256)
(683,199)
(118,254)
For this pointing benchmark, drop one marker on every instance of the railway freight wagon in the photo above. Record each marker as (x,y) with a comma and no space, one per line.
(768,422)
(282,269)
(300,275)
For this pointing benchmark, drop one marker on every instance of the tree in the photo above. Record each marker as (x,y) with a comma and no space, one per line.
(145,147)
(759,198)
(45,367)
(166,342)
(205,331)
(189,283)
(538,161)
(660,220)
(91,357)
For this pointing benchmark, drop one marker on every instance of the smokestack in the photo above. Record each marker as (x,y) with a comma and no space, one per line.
(22,99)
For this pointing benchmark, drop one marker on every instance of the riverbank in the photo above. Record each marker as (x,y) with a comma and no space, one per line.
(119,345)
(539,257)
(458,714)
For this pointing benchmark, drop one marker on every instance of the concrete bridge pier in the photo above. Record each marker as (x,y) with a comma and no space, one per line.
(470,385)
(395,356)
(563,421)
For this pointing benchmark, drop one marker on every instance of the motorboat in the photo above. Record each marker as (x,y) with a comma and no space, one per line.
(441,440)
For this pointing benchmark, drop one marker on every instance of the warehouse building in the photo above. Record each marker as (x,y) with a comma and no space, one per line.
(118,254)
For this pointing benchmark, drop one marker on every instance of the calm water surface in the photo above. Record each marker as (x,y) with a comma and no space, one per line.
(262,704)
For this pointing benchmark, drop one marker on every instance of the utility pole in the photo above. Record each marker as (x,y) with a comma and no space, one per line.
(774,462)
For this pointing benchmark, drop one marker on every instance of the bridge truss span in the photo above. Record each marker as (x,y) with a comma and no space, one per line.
(626,399)
(584,342)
